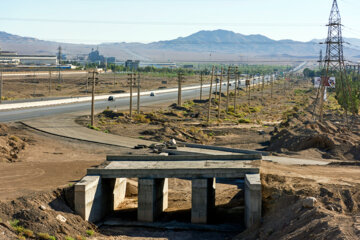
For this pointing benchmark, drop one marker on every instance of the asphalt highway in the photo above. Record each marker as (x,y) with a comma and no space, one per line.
(120,103)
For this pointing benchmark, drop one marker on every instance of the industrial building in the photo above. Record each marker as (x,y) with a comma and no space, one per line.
(12,58)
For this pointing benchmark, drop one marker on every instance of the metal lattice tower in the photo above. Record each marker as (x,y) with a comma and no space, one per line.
(334,58)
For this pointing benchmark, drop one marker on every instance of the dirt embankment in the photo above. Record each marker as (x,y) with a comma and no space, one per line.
(333,138)
(43,216)
(10,145)
(335,214)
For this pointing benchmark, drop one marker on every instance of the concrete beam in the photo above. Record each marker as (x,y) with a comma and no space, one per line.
(202,199)
(253,199)
(176,169)
(152,198)
(96,197)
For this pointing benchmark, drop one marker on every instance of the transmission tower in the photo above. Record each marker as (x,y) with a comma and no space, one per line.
(334,58)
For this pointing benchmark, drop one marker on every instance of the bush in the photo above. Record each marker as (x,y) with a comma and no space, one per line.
(14,223)
(45,236)
(69,238)
(141,118)
(28,233)
(244,120)
(90,232)
(93,127)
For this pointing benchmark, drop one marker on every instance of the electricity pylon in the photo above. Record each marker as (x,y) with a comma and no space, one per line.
(334,59)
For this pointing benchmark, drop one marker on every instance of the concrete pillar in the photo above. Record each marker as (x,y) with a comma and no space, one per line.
(152,198)
(253,199)
(202,199)
(119,191)
(95,197)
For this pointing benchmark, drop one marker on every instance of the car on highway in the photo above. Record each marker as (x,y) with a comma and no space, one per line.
(152,94)
(111,98)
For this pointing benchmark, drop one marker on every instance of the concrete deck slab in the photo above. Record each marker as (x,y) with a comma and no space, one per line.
(176,169)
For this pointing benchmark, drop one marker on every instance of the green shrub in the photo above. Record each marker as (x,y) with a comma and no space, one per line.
(90,232)
(141,118)
(45,236)
(14,223)
(69,238)
(244,120)
(28,233)
(93,127)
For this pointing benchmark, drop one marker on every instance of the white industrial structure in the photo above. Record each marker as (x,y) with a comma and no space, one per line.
(12,58)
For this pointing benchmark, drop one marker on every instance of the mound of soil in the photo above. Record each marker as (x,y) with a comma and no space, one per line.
(10,145)
(331,137)
(332,217)
(41,213)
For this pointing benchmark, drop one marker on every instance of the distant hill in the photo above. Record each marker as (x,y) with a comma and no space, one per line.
(200,46)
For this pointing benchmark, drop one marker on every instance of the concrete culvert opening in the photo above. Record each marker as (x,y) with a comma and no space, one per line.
(227,207)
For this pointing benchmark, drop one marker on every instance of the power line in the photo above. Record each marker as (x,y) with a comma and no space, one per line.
(161,23)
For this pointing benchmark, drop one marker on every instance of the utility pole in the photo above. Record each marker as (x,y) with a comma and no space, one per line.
(1,85)
(201,84)
(93,73)
(210,93)
(216,86)
(272,85)
(59,59)
(262,86)
(320,60)
(138,94)
(131,82)
(49,82)
(227,90)
(180,79)
(236,86)
(114,78)
(248,84)
(221,79)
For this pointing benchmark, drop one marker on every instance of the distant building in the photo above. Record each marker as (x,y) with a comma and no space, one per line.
(111,60)
(189,66)
(12,58)
(132,65)
(95,56)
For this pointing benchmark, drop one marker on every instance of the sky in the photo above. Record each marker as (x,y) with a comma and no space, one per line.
(99,21)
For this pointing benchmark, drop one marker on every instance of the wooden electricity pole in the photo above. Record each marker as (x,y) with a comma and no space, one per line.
(272,85)
(49,82)
(201,84)
(1,85)
(249,90)
(227,90)
(236,86)
(210,93)
(131,82)
(114,78)
(93,73)
(59,56)
(216,87)
(219,106)
(180,79)
(262,86)
(138,94)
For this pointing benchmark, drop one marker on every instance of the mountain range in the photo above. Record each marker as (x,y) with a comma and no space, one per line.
(218,45)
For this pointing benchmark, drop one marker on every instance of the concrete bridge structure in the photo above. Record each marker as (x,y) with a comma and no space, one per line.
(104,188)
